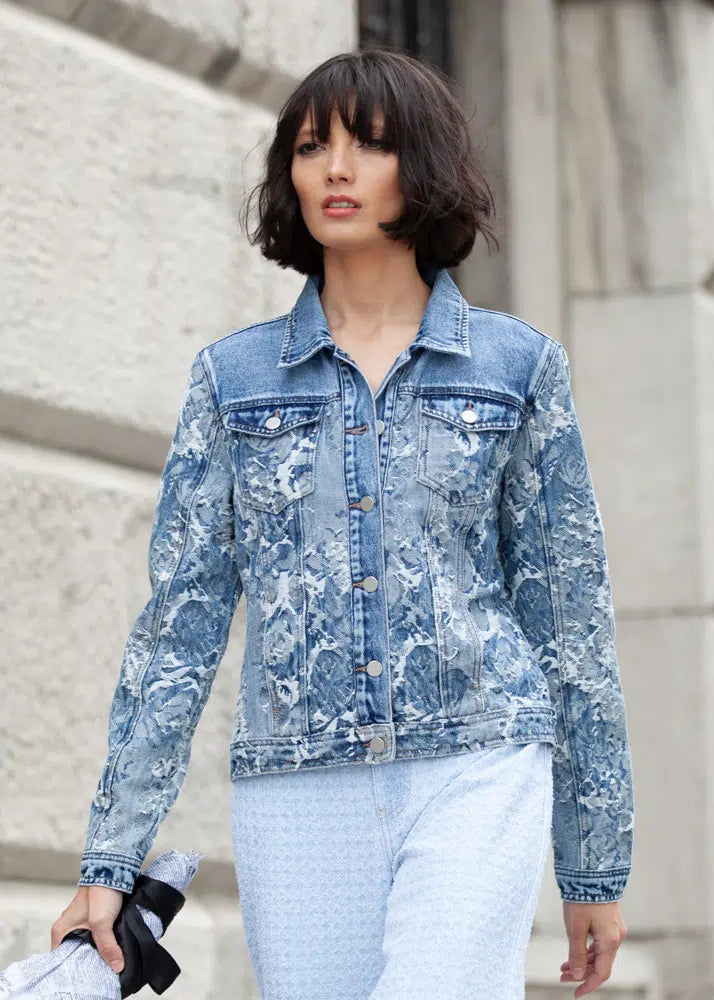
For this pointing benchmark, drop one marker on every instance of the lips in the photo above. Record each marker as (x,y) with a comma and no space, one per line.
(340,197)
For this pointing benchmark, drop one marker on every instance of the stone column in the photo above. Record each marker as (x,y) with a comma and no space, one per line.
(636,86)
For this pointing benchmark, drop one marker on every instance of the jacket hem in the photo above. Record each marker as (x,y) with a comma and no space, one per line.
(357,744)
(577,886)
(115,871)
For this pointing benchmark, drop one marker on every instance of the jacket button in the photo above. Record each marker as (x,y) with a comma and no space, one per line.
(272,422)
(366,503)
(380,426)
(374,668)
(370,583)
(468,416)
(377,744)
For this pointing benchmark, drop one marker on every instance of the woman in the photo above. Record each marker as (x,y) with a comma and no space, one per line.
(397,481)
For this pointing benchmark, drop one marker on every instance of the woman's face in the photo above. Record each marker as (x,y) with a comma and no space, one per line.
(343,165)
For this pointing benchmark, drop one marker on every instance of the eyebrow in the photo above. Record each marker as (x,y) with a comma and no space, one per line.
(308,131)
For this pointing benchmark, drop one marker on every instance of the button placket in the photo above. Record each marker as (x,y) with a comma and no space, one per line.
(373,697)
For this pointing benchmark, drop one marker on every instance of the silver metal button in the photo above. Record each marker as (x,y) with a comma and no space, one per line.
(380,426)
(374,668)
(370,583)
(377,744)
(469,416)
(366,503)
(272,422)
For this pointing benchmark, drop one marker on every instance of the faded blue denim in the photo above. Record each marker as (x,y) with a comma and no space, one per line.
(416,880)
(427,581)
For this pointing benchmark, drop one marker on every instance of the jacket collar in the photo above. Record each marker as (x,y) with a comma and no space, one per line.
(444,325)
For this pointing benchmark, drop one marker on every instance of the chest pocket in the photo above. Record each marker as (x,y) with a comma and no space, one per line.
(463,444)
(274,445)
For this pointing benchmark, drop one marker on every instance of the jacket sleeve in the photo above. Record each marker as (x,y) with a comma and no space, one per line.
(174,647)
(556,574)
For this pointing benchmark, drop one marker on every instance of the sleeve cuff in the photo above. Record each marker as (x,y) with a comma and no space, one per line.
(112,870)
(579,886)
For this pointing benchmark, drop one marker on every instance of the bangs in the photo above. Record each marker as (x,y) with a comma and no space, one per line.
(336,87)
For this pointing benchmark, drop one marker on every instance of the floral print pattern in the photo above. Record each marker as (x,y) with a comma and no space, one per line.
(428,584)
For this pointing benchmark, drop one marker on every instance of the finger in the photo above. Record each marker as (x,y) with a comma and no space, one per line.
(567,976)
(591,948)
(604,960)
(107,945)
(60,929)
(601,971)
(591,983)
(578,957)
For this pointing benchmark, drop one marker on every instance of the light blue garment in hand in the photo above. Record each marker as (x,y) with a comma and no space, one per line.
(75,970)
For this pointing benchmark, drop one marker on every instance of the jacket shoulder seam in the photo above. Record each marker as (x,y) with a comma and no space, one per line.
(518,319)
(206,364)
(244,329)
(542,368)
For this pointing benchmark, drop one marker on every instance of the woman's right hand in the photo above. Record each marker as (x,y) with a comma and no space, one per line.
(95,907)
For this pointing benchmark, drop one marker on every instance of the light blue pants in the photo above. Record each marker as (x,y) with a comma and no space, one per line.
(407,880)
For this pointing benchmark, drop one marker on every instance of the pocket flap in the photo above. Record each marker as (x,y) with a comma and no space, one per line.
(272,417)
(471,412)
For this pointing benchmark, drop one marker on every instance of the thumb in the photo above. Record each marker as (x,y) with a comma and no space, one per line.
(104,907)
(107,946)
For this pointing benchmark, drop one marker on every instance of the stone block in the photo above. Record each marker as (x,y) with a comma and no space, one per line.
(122,255)
(252,48)
(638,141)
(669,712)
(74,565)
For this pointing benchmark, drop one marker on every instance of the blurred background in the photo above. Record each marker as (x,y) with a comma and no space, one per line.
(131,130)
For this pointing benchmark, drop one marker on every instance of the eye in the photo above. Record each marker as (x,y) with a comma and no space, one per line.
(303,149)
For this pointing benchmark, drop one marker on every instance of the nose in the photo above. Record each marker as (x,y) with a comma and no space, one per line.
(339,163)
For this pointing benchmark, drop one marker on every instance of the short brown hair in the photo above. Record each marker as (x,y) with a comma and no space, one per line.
(447,198)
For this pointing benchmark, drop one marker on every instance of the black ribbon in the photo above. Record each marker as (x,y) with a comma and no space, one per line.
(145,960)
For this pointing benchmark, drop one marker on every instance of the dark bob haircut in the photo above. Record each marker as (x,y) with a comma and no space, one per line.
(447,199)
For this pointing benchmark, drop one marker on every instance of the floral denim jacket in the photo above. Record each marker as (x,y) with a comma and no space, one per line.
(427,582)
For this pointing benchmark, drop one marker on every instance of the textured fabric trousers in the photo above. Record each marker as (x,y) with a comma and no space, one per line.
(407,880)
